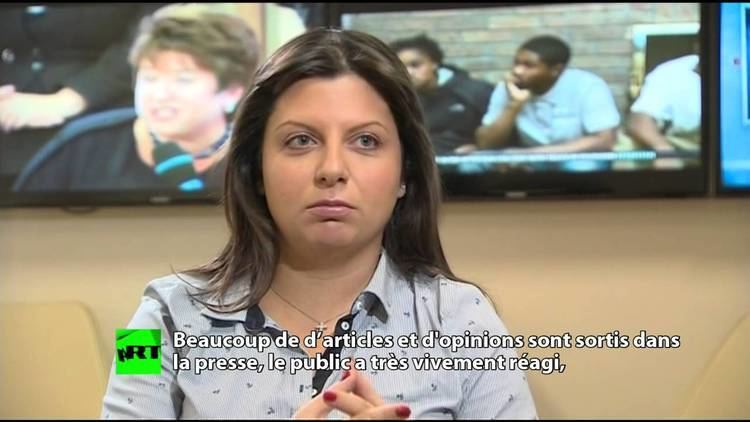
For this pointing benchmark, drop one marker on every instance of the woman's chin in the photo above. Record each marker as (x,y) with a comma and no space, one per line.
(331,234)
(332,242)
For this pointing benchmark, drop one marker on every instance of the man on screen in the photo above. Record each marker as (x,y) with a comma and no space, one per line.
(453,102)
(667,114)
(551,107)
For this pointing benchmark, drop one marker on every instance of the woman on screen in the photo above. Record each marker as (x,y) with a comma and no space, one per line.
(331,197)
(192,64)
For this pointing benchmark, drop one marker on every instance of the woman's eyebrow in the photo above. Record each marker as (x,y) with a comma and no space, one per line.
(293,123)
(313,129)
(365,124)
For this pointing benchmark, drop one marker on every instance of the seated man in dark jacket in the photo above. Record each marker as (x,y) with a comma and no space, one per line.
(453,102)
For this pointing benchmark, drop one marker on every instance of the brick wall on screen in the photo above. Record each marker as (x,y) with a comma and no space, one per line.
(484,41)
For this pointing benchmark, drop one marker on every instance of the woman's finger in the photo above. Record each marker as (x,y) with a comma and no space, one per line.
(317,407)
(365,389)
(388,411)
(349,403)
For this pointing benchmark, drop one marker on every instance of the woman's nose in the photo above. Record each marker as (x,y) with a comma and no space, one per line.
(332,168)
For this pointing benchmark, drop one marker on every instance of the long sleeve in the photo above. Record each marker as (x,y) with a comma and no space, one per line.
(146,396)
(487,394)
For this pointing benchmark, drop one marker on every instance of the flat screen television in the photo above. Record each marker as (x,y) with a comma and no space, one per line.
(151,106)
(563,99)
(734,84)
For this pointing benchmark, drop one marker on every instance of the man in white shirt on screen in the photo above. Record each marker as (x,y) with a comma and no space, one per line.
(667,114)
(551,107)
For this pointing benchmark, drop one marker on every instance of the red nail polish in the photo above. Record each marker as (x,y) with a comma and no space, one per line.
(403,411)
(346,374)
(329,396)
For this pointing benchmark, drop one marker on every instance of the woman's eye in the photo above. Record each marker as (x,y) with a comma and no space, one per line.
(300,141)
(368,141)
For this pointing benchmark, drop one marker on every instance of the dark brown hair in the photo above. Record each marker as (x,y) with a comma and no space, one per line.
(218,41)
(411,238)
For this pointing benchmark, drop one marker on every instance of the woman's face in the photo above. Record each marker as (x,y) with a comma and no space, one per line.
(176,97)
(331,139)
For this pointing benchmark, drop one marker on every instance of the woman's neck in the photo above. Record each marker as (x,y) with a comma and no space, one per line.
(326,284)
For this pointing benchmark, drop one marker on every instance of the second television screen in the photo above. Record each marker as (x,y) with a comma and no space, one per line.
(555,87)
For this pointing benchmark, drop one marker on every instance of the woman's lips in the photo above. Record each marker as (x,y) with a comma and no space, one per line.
(330,211)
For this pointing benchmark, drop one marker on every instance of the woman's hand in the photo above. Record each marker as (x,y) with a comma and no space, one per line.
(355,396)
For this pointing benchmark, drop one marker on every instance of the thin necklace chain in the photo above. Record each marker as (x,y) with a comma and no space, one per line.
(321,324)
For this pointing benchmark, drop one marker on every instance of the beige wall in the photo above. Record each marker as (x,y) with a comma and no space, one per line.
(585,267)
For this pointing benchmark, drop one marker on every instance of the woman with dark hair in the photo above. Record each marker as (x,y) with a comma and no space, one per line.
(331,196)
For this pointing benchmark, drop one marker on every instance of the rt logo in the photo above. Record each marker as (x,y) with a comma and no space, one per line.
(138,352)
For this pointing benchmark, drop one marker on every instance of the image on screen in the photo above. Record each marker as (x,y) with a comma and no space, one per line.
(553,87)
(128,99)
(735,96)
